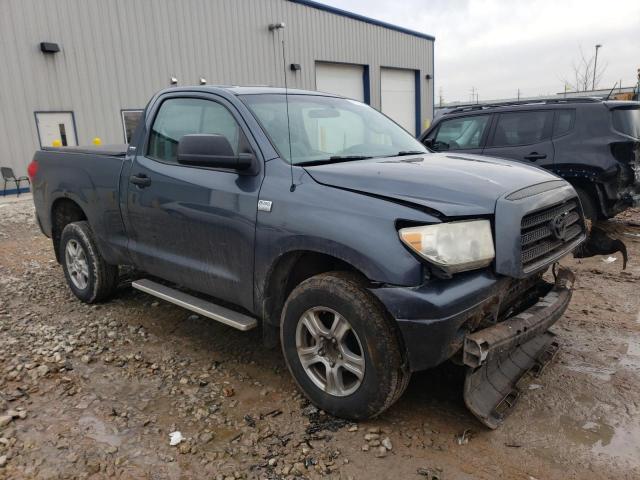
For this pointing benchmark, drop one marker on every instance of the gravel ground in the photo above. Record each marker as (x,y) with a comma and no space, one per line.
(95,391)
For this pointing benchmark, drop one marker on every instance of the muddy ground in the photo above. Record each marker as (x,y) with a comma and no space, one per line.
(94,391)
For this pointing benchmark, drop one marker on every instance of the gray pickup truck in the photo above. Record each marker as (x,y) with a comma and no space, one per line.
(323,221)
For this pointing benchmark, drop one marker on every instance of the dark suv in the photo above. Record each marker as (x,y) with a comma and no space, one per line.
(593,144)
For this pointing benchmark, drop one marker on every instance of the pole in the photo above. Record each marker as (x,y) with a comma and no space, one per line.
(595,68)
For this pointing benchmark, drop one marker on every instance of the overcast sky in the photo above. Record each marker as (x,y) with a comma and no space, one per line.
(500,46)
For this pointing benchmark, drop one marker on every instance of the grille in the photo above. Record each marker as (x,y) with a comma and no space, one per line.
(539,239)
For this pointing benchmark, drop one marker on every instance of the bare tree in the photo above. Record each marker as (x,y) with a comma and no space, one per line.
(582,78)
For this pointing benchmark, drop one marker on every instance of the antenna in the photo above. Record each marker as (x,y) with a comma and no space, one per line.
(614,87)
(286,101)
(273,27)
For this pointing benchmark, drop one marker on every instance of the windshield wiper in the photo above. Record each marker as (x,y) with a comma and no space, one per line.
(350,157)
(402,153)
(334,159)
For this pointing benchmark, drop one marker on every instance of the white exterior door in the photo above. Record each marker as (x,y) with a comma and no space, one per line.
(341,79)
(56,126)
(398,96)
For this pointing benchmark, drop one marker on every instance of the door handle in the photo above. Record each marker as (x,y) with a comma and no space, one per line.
(535,156)
(141,180)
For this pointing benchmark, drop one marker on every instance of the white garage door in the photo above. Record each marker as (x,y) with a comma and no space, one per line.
(341,79)
(398,96)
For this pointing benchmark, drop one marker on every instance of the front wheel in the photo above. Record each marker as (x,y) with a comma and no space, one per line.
(88,275)
(341,347)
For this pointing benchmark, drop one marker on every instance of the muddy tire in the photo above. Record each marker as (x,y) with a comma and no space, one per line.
(341,347)
(89,277)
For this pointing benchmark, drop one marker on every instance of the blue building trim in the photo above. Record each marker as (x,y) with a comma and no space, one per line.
(418,104)
(355,16)
(366,80)
(13,191)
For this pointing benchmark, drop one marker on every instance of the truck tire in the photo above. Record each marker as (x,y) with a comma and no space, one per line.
(342,349)
(89,277)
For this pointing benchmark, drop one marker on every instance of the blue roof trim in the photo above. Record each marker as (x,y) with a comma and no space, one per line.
(362,18)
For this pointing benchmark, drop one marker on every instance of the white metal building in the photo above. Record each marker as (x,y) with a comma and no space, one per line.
(72,70)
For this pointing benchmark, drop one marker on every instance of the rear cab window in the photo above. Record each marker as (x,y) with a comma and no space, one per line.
(627,121)
(522,128)
(459,133)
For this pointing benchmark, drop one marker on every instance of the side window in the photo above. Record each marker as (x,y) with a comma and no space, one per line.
(183,116)
(522,128)
(563,122)
(460,133)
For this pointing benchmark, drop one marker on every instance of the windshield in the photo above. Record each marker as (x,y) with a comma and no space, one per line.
(627,121)
(329,128)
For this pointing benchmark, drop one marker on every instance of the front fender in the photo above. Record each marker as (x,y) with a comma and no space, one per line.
(357,229)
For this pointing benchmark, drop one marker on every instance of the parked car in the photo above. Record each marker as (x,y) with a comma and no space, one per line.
(592,143)
(365,255)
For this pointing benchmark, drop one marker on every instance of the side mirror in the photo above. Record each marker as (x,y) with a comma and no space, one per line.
(211,150)
(428,142)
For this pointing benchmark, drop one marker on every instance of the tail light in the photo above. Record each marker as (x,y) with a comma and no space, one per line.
(32,169)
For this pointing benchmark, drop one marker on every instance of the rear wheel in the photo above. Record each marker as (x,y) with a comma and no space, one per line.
(589,205)
(88,275)
(341,347)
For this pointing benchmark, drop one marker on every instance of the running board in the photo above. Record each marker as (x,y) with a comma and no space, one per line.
(197,305)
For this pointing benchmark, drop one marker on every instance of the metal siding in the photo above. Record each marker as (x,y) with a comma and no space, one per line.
(115,55)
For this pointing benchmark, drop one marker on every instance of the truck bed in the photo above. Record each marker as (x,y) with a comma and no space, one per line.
(116,150)
(89,176)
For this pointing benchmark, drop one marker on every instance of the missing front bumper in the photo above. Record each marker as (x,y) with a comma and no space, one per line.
(499,358)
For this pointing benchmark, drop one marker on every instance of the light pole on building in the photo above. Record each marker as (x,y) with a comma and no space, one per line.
(595,68)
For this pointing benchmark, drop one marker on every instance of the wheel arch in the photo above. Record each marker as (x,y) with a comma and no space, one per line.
(63,212)
(593,190)
(288,271)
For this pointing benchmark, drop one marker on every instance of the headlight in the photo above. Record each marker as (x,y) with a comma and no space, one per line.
(454,246)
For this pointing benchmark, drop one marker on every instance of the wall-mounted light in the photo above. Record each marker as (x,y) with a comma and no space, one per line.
(276,26)
(295,67)
(428,76)
(173,81)
(49,47)
(203,81)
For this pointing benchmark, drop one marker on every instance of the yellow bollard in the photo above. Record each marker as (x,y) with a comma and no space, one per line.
(97,141)
(56,143)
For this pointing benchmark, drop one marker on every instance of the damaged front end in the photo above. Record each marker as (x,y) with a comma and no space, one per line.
(500,358)
(626,189)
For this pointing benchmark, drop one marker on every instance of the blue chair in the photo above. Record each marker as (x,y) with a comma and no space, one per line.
(9,176)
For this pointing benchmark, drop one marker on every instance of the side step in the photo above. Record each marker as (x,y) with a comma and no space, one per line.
(197,305)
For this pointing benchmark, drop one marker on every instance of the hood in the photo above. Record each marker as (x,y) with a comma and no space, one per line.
(453,184)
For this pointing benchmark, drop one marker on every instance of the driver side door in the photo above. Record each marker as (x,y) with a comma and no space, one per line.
(194,226)
(466,134)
